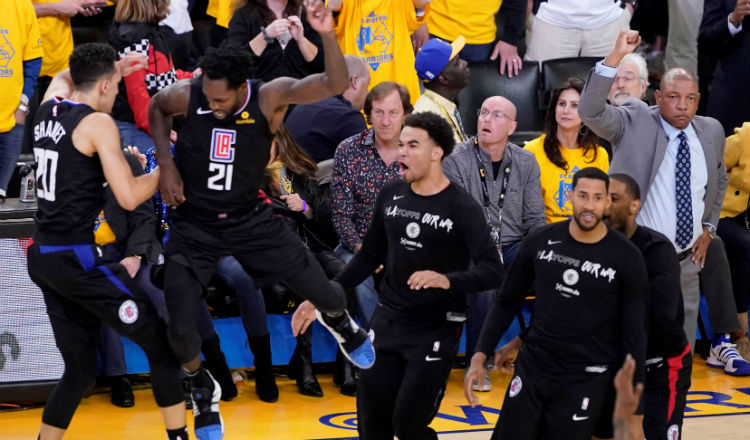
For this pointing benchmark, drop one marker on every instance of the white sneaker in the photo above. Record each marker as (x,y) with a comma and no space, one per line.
(724,355)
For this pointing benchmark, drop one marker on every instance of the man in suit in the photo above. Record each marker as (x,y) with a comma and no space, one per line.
(725,30)
(677,160)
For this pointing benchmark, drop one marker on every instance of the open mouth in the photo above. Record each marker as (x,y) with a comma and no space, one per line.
(588,217)
(402,167)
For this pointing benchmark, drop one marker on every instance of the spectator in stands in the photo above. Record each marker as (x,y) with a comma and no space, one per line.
(682,34)
(221,11)
(476,21)
(575,28)
(722,33)
(17,81)
(631,80)
(136,29)
(444,74)
(362,165)
(177,30)
(277,34)
(512,197)
(378,32)
(677,160)
(734,227)
(321,126)
(53,18)
(565,147)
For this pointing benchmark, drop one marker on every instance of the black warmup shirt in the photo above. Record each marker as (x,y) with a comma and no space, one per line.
(222,162)
(666,336)
(70,185)
(591,301)
(444,232)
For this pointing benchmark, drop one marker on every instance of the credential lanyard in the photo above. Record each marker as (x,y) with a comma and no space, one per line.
(483,180)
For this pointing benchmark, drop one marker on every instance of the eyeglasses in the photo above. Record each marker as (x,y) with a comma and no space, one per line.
(495,115)
(626,79)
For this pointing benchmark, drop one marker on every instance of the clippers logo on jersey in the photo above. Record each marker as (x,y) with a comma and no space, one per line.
(221,145)
(515,387)
(673,433)
(128,312)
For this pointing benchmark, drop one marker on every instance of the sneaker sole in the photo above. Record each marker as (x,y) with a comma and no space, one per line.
(211,432)
(365,347)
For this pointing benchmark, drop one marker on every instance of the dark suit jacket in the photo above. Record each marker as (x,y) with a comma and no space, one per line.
(639,141)
(729,97)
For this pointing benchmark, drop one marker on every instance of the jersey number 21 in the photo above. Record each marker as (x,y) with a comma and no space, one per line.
(221,167)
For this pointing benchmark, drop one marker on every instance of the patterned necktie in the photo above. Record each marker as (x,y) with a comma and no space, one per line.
(462,133)
(682,193)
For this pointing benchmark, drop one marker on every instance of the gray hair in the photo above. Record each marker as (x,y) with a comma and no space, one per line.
(640,64)
(355,66)
(677,74)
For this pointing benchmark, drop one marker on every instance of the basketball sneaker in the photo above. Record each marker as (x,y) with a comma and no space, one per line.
(354,342)
(724,355)
(206,392)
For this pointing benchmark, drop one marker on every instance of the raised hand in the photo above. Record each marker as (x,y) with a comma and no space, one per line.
(741,10)
(626,43)
(319,16)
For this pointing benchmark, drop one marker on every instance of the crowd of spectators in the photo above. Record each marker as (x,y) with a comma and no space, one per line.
(407,56)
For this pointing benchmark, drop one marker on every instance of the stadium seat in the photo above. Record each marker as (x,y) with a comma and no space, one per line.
(521,90)
(556,70)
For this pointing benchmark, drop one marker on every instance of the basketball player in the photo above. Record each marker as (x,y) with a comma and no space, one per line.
(214,183)
(590,284)
(426,232)
(77,149)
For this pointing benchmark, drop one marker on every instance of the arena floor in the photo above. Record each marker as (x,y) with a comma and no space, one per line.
(718,408)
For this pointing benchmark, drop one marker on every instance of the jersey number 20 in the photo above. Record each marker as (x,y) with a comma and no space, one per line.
(222,158)
(46,173)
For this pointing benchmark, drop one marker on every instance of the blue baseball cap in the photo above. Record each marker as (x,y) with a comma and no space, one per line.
(435,55)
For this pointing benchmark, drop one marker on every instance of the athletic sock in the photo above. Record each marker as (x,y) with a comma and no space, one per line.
(177,434)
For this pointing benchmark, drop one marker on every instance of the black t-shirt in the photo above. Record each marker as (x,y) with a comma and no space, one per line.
(275,61)
(222,162)
(445,233)
(590,307)
(666,335)
(496,168)
(70,191)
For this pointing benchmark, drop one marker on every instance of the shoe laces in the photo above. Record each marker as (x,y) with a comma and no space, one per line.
(728,351)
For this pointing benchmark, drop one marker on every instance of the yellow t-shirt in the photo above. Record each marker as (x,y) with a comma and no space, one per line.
(556,182)
(221,10)
(19,41)
(474,19)
(57,36)
(379,32)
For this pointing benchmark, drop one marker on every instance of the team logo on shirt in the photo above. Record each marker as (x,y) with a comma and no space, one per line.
(570,277)
(673,433)
(245,118)
(515,387)
(585,403)
(412,230)
(128,312)
(221,145)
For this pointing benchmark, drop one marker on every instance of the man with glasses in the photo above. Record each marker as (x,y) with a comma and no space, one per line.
(505,180)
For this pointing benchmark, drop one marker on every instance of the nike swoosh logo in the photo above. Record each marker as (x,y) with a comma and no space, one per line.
(200,111)
(398,197)
(429,358)
(577,418)
(550,242)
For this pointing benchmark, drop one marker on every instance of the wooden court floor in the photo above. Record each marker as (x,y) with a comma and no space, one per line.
(718,408)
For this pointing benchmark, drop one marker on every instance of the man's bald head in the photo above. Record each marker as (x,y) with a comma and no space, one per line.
(359,81)
(355,66)
(496,121)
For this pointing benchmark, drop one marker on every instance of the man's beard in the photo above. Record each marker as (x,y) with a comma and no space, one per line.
(587,228)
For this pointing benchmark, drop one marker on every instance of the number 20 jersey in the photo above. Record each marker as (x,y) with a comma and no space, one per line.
(222,161)
(70,185)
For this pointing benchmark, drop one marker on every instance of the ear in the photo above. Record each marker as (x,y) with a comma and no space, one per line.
(513,126)
(104,85)
(437,153)
(657,95)
(635,206)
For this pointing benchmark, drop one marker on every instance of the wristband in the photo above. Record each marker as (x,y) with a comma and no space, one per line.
(304,206)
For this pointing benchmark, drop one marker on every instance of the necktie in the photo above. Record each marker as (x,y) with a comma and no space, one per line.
(682,194)
(462,133)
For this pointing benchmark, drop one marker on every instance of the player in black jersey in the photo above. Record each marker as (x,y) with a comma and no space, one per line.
(590,284)
(77,149)
(426,232)
(214,183)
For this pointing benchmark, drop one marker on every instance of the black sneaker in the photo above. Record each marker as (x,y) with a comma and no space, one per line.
(354,342)
(205,393)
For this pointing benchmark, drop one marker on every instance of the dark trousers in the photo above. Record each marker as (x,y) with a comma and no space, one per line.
(538,406)
(401,393)
(665,394)
(81,292)
(736,238)
(716,283)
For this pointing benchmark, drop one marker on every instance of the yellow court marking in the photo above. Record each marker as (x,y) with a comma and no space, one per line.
(299,417)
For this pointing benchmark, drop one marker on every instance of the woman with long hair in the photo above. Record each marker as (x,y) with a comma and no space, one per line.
(565,147)
(136,29)
(277,33)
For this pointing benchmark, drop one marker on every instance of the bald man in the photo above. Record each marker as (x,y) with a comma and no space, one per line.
(320,127)
(677,158)
(504,179)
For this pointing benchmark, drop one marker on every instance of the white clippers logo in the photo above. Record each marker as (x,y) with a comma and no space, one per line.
(412,230)
(570,277)
(515,387)
(128,312)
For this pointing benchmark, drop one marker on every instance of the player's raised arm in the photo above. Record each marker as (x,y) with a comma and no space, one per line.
(277,94)
(168,102)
